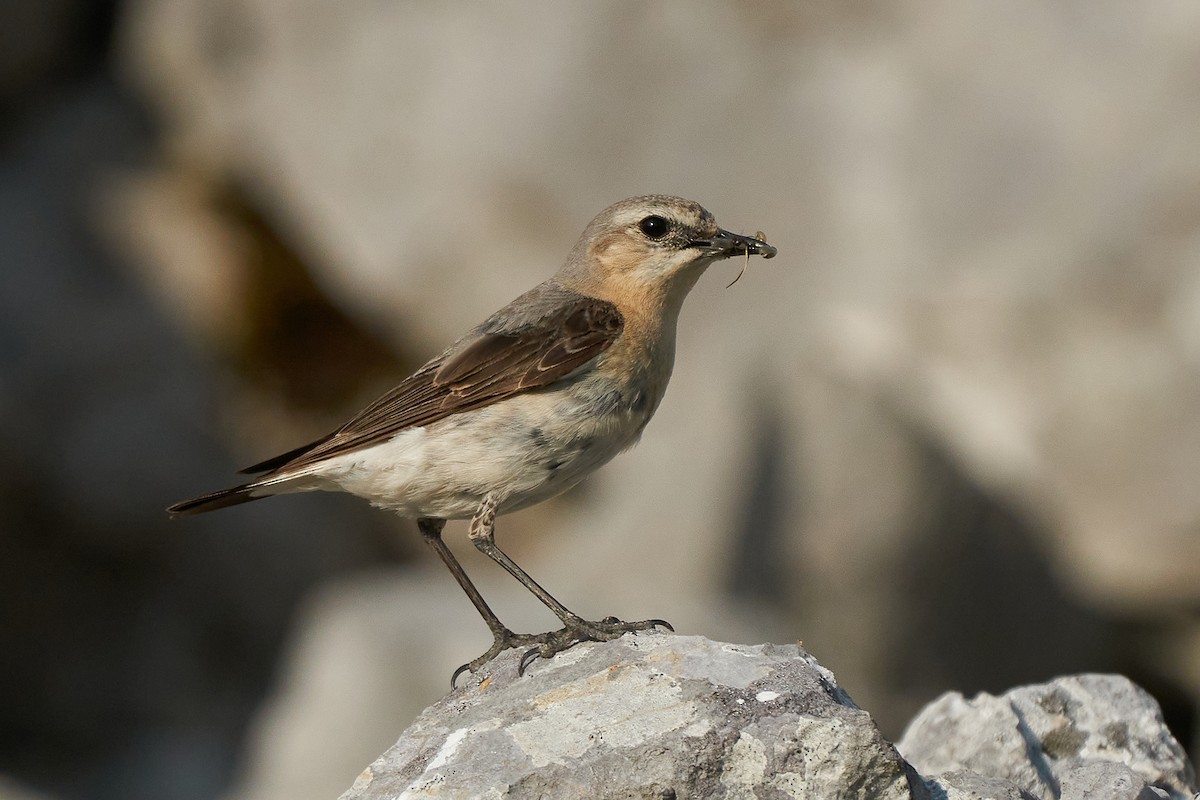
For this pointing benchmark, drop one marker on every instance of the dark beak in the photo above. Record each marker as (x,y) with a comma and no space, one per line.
(726,244)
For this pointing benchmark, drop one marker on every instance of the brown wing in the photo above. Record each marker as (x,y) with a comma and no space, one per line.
(486,369)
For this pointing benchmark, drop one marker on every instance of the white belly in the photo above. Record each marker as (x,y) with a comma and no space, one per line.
(525,449)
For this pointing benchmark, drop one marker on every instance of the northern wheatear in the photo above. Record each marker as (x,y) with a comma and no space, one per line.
(527,404)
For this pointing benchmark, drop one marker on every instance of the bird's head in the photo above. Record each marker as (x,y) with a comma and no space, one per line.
(653,244)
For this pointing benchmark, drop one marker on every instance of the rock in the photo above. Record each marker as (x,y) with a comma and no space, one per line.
(658,716)
(1106,780)
(964,785)
(652,715)
(1075,737)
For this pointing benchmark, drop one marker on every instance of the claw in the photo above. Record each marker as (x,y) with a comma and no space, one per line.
(528,658)
(504,640)
(457,672)
(661,623)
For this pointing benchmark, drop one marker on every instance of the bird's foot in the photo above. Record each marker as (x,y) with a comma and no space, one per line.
(504,640)
(546,645)
(581,630)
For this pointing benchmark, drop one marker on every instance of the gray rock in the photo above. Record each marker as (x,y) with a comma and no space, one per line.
(1093,780)
(964,785)
(652,716)
(659,716)
(1082,736)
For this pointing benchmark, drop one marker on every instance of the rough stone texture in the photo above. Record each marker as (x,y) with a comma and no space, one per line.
(964,785)
(1075,737)
(660,716)
(653,716)
(1095,780)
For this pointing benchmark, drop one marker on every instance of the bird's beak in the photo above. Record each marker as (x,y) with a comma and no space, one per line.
(726,244)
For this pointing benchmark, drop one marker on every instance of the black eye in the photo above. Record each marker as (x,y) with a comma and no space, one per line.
(655,227)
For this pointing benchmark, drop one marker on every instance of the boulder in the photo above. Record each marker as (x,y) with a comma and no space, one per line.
(651,715)
(1081,736)
(665,716)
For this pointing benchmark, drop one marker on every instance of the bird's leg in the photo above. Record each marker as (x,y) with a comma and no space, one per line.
(575,629)
(503,638)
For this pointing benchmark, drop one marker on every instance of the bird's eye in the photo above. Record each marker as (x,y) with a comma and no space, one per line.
(655,227)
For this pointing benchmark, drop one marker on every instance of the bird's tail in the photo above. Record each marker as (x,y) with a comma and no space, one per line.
(275,483)
(214,500)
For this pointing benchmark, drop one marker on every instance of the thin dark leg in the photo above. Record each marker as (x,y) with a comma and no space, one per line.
(502,637)
(483,535)
(431,530)
(576,629)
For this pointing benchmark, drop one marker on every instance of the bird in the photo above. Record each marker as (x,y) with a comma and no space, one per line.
(525,405)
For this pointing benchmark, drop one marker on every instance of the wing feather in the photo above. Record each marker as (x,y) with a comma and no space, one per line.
(485,368)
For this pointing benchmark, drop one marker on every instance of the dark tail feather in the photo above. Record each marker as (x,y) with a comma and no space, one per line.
(279,460)
(211,502)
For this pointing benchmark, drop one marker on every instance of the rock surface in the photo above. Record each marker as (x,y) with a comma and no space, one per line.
(1075,737)
(660,716)
(645,716)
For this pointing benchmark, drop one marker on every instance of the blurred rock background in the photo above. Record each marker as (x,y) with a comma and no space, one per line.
(950,438)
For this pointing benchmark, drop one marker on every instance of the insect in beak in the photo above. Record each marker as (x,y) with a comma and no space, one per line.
(759,236)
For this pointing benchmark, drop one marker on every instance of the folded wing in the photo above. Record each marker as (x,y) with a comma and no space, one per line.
(480,370)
